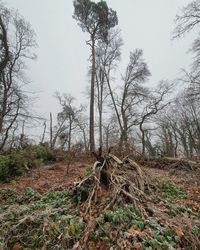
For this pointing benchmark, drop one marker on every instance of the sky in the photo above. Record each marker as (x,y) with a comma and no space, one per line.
(62,52)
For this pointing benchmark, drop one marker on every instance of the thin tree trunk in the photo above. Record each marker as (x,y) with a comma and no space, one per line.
(44,132)
(113,101)
(70,135)
(5,60)
(4,102)
(92,140)
(143,143)
(22,135)
(10,126)
(51,131)
(123,144)
(13,137)
(99,85)
(107,140)
(143,139)
(100,130)
(85,140)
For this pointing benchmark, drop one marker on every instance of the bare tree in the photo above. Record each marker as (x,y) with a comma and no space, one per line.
(132,94)
(13,102)
(4,48)
(188,19)
(67,120)
(82,123)
(179,127)
(111,132)
(155,103)
(107,56)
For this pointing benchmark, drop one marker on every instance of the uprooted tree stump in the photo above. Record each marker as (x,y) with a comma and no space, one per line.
(113,181)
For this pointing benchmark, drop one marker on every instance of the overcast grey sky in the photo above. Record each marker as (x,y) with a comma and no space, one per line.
(62,54)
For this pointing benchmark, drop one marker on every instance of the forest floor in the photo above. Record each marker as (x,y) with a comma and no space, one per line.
(56,177)
(42,179)
(177,209)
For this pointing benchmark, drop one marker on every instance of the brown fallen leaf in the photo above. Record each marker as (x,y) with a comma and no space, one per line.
(179,232)
(137,246)
(16,246)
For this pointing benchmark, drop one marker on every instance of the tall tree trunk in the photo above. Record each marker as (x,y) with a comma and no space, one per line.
(85,140)
(124,134)
(107,140)
(92,140)
(116,111)
(143,139)
(44,132)
(4,61)
(123,144)
(22,135)
(100,90)
(70,135)
(176,144)
(100,130)
(51,131)
(143,143)
(4,101)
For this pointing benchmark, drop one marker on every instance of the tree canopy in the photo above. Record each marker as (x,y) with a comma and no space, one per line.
(95,18)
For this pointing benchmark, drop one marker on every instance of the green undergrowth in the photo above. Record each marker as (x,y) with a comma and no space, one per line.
(33,221)
(169,194)
(169,191)
(17,162)
(129,229)
(88,170)
(180,209)
(29,220)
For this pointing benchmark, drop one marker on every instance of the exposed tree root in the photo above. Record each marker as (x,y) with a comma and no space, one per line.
(113,180)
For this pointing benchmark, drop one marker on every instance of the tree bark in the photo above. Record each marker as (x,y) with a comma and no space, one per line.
(70,134)
(143,142)
(91,132)
(5,59)
(100,89)
(44,132)
(51,131)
